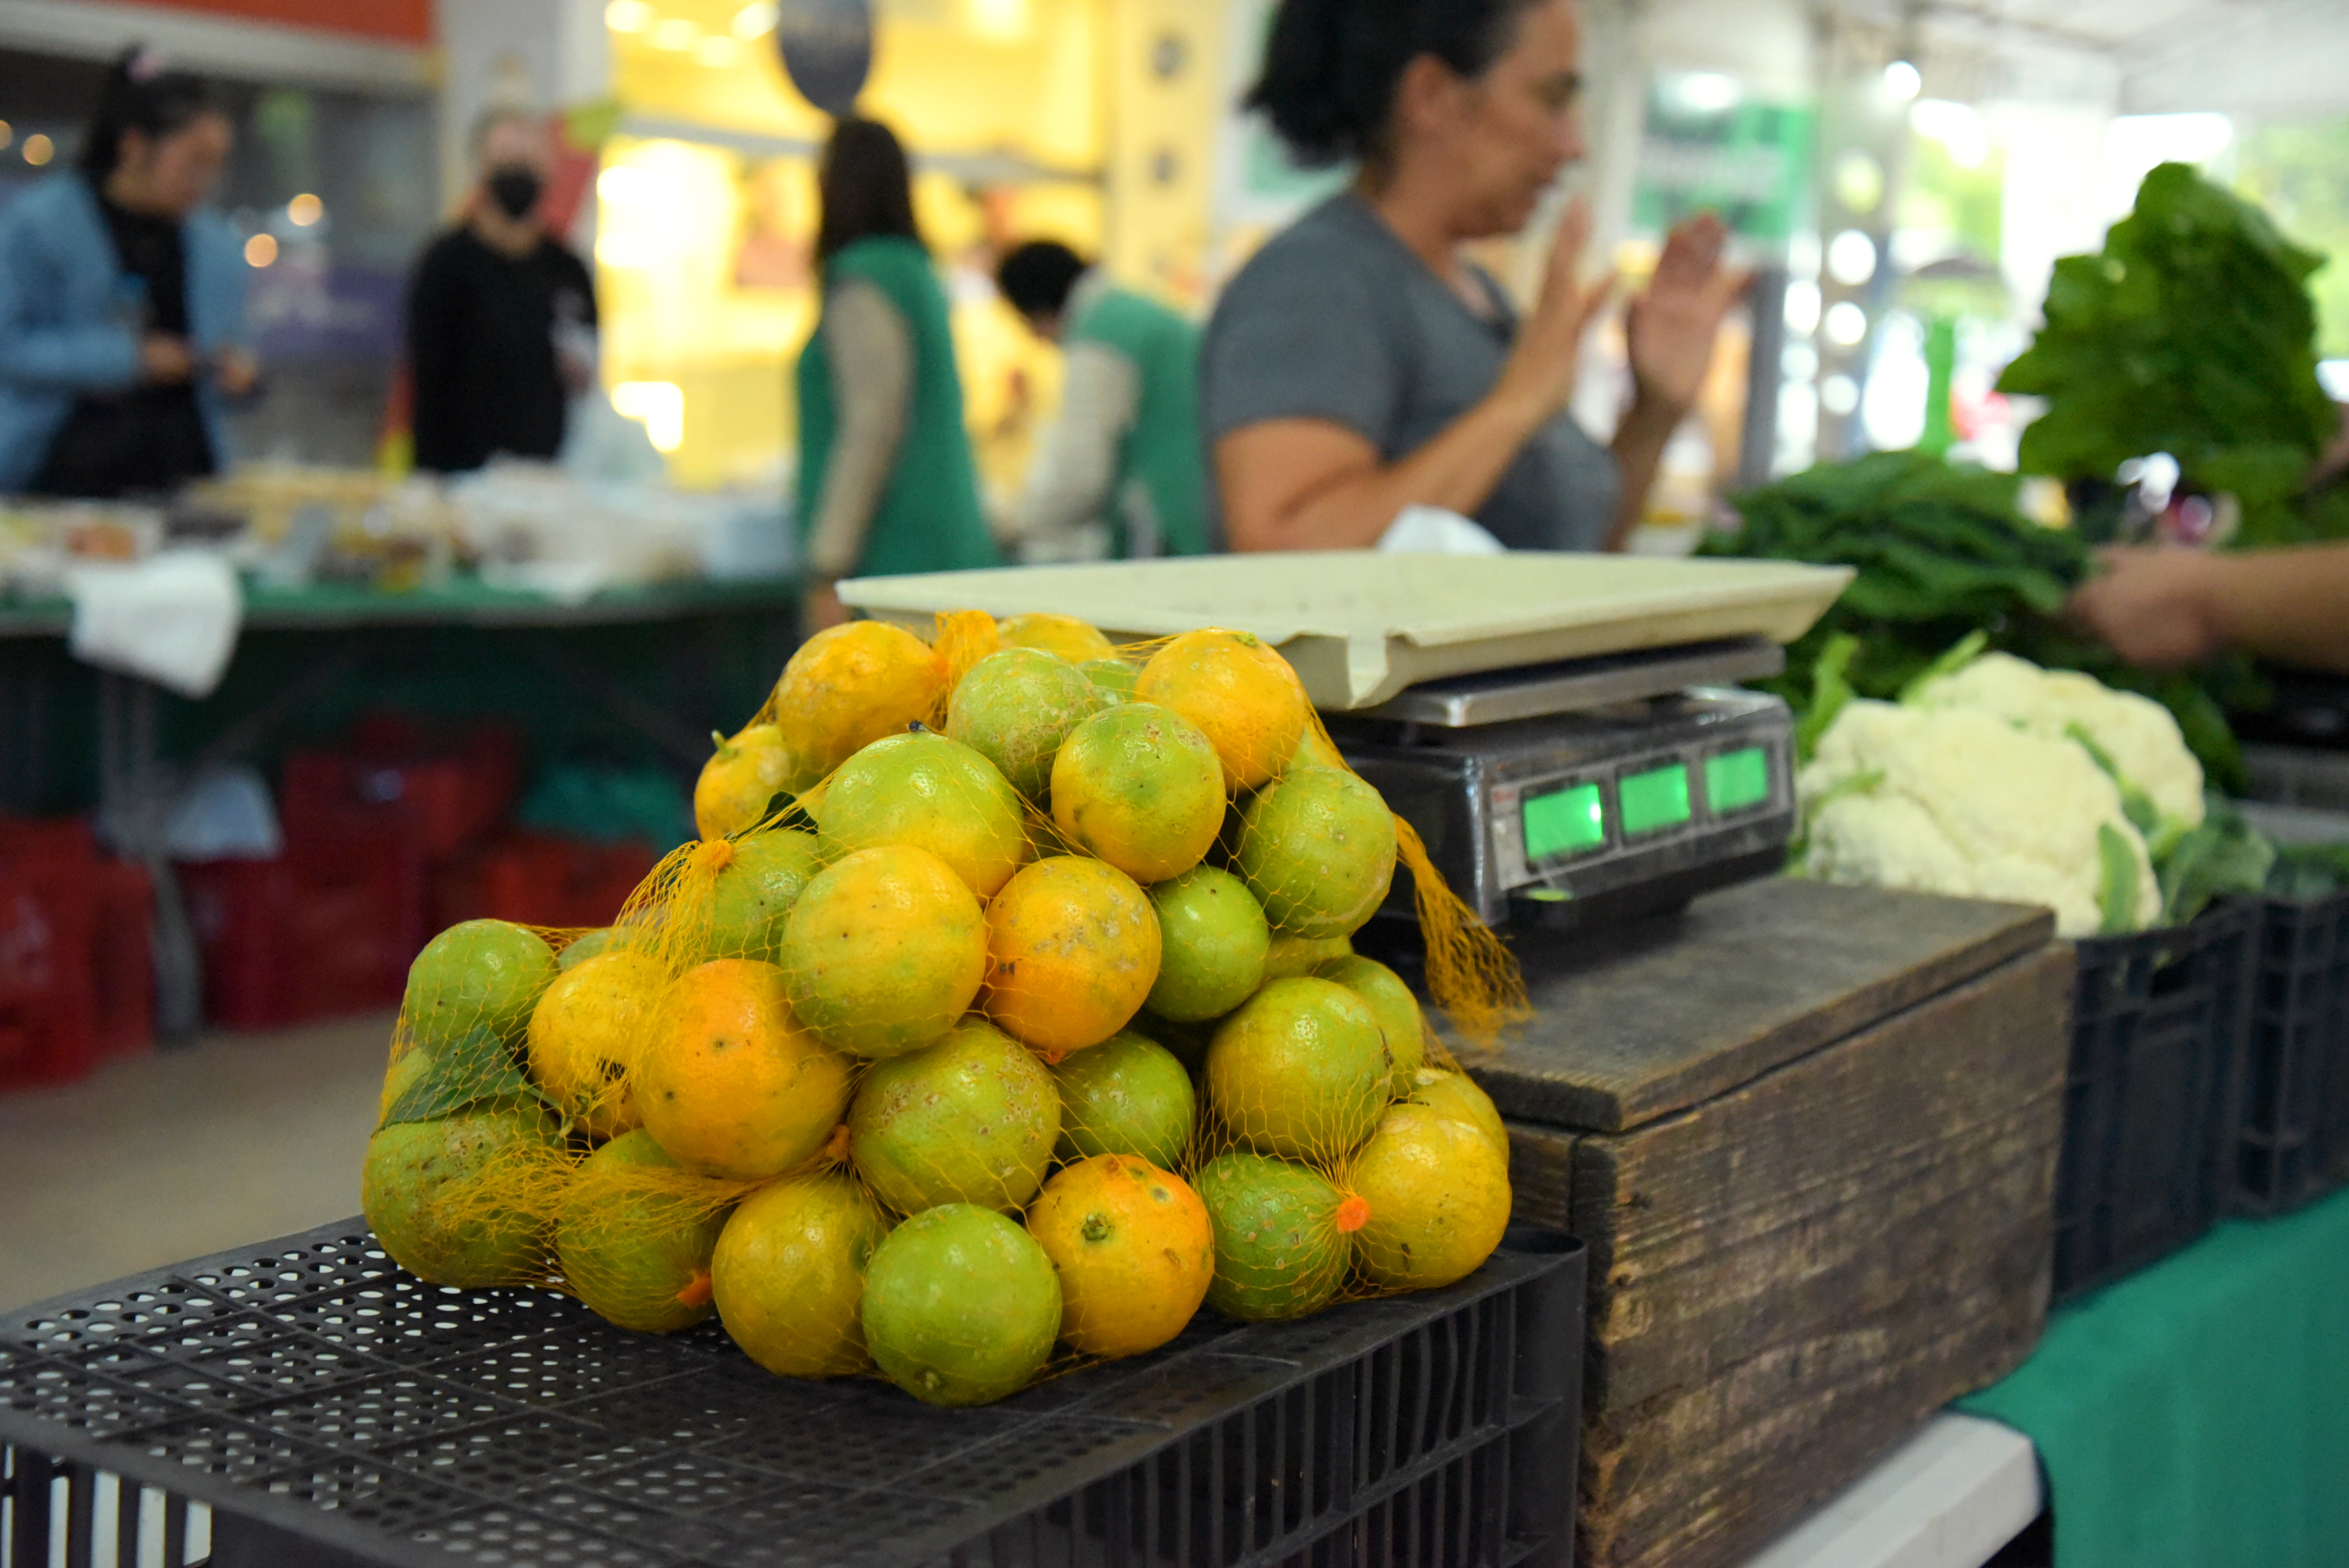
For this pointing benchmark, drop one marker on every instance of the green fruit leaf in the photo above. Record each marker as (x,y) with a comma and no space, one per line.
(477,1068)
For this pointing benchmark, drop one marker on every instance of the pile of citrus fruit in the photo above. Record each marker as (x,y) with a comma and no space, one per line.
(1006,1003)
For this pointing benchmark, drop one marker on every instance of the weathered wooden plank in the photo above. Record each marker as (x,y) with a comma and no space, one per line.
(1650,1018)
(1788,1277)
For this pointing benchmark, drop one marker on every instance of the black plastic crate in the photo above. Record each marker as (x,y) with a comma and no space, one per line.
(2293,1142)
(2159,1020)
(331,1410)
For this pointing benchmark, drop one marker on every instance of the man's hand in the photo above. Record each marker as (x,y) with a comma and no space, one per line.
(165,359)
(2155,606)
(1671,326)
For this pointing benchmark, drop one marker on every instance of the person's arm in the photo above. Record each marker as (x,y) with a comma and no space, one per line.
(1076,460)
(1314,484)
(871,354)
(1670,330)
(93,357)
(2163,607)
(435,365)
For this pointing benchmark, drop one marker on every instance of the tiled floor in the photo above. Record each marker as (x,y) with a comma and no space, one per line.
(173,1155)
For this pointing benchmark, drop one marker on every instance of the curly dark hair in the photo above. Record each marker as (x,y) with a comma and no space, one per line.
(1331,67)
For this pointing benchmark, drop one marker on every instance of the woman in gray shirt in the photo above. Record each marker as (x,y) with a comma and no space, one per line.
(1359,364)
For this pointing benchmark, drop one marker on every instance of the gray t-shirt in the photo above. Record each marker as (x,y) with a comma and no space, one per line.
(1336,319)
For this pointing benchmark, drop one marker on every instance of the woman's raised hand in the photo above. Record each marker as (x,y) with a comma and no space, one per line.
(1540,373)
(1671,327)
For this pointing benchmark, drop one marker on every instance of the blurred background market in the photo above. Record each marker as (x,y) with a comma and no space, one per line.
(308,708)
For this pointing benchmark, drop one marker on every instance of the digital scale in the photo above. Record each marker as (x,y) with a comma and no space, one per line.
(1606,787)
(1566,732)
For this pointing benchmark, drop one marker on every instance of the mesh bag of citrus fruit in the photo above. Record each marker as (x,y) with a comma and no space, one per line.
(1004,1013)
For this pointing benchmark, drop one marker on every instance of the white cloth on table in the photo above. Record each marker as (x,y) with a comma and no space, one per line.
(171,618)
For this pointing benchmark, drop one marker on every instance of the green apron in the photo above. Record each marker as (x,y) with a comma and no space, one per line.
(1160,464)
(928,517)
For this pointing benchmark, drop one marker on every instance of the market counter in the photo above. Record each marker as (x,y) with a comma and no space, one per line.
(1809,1135)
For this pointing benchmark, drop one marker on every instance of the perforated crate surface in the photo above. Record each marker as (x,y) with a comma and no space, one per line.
(331,1408)
(2293,1143)
(2153,1098)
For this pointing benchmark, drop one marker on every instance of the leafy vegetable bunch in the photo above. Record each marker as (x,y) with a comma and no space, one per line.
(2192,333)
(1943,551)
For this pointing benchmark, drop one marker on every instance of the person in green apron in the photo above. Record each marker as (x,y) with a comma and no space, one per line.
(886,481)
(1121,471)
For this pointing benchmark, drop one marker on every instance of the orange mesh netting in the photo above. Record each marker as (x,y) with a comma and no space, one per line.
(1005,1013)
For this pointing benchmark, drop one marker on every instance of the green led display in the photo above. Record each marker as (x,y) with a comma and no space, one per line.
(1653,801)
(1735,780)
(1567,822)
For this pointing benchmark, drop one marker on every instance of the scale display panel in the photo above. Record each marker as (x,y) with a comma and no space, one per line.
(1627,806)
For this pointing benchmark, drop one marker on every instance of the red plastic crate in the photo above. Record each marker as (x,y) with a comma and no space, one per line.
(325,929)
(122,958)
(539,879)
(449,793)
(46,1015)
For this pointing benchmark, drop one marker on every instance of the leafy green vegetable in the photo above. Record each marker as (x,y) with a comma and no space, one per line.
(1944,555)
(2225,855)
(1965,651)
(2305,871)
(2191,333)
(1830,689)
(2116,891)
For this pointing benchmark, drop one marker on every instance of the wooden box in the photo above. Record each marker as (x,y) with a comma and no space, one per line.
(1809,1135)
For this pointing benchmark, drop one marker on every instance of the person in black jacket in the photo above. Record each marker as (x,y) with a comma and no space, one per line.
(500,315)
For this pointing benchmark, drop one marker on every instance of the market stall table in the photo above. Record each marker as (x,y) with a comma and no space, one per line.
(300,643)
(2197,1414)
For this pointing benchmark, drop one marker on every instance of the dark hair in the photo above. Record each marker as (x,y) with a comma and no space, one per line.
(141,94)
(864,188)
(1331,67)
(1035,277)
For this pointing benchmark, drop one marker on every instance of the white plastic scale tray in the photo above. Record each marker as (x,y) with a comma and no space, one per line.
(1361,625)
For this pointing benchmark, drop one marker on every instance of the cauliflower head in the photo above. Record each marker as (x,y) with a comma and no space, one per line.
(2136,734)
(1958,800)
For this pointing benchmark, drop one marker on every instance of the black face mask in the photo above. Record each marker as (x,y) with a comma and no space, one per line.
(514,188)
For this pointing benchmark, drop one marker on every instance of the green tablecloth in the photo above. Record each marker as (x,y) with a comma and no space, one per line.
(2196,1415)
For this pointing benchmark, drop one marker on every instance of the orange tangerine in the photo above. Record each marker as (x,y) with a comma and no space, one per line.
(1438,1196)
(884,950)
(1239,693)
(1062,636)
(729,1083)
(789,1274)
(933,793)
(586,1032)
(1141,788)
(1317,849)
(849,686)
(1072,948)
(1135,1251)
(741,776)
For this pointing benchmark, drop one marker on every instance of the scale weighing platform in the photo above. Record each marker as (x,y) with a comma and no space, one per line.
(1604,786)
(1565,731)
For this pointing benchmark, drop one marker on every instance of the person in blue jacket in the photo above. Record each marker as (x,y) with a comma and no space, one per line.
(122,305)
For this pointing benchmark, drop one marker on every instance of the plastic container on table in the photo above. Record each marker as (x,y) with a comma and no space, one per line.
(540,879)
(328,1408)
(327,928)
(2292,1141)
(77,972)
(1359,625)
(2158,1024)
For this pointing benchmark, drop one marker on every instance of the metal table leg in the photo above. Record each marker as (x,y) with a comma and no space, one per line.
(134,800)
